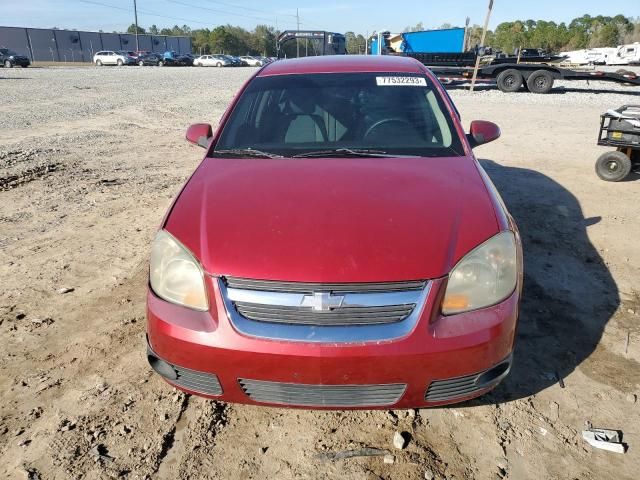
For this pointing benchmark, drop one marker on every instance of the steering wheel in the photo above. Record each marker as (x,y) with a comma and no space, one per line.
(379,123)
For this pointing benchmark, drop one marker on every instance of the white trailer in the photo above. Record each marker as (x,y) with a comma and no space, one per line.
(625,55)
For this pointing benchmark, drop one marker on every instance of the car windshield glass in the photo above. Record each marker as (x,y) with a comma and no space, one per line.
(316,114)
(6,51)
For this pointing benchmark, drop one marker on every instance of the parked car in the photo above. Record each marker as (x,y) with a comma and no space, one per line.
(252,61)
(110,57)
(154,59)
(234,61)
(211,61)
(184,60)
(171,58)
(9,59)
(339,246)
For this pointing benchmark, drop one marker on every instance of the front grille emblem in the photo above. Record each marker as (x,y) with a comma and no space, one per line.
(322,301)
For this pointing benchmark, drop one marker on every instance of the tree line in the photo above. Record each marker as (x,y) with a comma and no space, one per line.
(582,32)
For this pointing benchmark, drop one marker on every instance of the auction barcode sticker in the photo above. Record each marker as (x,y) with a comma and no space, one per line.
(401,81)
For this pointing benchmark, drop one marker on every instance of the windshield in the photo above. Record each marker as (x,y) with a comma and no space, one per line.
(6,51)
(361,114)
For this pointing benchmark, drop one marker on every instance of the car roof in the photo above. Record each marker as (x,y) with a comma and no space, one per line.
(343,64)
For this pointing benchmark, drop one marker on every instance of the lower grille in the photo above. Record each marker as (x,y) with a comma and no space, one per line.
(441,390)
(200,382)
(452,388)
(322,395)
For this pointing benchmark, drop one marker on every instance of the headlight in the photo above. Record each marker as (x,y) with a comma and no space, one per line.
(484,277)
(175,275)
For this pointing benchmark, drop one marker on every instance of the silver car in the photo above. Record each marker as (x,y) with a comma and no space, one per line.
(252,61)
(211,61)
(109,57)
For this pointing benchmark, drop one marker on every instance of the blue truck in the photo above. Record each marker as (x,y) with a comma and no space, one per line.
(449,40)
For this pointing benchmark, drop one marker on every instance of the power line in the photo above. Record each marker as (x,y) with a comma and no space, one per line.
(219,11)
(90,2)
(248,8)
(152,14)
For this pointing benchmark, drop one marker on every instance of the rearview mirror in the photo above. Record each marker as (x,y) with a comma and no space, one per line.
(482,132)
(200,134)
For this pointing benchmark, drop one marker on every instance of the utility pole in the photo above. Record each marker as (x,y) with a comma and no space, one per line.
(297,32)
(484,35)
(135,14)
(466,35)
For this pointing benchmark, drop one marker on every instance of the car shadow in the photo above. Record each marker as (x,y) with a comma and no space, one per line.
(569,294)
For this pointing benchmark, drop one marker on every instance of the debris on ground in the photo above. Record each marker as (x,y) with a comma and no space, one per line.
(360,452)
(610,440)
(400,440)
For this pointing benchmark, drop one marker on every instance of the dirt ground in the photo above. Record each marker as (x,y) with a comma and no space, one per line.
(89,161)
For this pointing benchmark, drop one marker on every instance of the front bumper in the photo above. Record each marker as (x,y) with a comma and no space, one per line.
(21,62)
(442,360)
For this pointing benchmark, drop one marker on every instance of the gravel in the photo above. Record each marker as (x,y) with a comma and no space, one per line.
(73,94)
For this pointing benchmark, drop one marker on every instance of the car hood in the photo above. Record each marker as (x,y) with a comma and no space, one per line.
(333,220)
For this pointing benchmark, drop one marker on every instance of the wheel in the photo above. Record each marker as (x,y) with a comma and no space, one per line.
(141,63)
(199,64)
(613,166)
(7,64)
(161,63)
(120,62)
(540,81)
(510,80)
(98,63)
(218,64)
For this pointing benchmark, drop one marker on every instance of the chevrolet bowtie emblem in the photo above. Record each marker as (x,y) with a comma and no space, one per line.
(322,301)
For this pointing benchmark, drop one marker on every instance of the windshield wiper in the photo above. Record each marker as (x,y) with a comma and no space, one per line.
(247,152)
(349,152)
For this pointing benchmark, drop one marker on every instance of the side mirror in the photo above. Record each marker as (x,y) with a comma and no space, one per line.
(482,132)
(200,134)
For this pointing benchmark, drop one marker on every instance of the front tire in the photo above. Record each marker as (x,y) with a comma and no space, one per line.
(613,166)
(98,63)
(540,81)
(161,63)
(218,64)
(510,80)
(141,63)
(120,62)
(8,64)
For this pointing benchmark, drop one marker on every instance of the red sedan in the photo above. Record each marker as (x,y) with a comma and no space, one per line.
(339,246)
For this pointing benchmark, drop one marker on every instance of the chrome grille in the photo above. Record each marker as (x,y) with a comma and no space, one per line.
(307,316)
(324,304)
(322,395)
(302,287)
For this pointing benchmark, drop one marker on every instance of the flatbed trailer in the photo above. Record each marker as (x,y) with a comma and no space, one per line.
(535,77)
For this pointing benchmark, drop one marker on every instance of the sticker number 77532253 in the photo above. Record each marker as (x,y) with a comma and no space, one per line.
(401,81)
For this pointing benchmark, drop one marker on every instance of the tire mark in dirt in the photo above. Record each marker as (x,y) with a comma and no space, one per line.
(172,441)
(12,181)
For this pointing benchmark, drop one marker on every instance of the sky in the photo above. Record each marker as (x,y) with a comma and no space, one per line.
(360,16)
